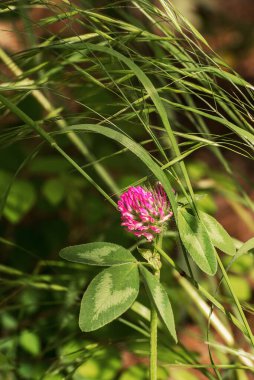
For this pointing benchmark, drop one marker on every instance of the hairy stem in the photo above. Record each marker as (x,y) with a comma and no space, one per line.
(153,343)
(154,320)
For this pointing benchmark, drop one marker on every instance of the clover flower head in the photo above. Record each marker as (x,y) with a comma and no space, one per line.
(144,212)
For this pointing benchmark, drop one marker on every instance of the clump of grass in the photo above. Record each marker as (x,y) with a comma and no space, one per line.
(140,77)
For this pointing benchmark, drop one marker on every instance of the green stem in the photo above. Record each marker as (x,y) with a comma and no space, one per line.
(153,343)
(238,305)
(154,326)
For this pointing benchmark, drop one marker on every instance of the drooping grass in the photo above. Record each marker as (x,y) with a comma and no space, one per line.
(144,77)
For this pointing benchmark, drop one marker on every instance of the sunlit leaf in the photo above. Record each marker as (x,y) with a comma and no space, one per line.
(98,253)
(197,242)
(246,247)
(108,296)
(218,235)
(30,342)
(240,287)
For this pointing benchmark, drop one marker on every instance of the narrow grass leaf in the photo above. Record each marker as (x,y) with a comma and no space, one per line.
(152,92)
(136,149)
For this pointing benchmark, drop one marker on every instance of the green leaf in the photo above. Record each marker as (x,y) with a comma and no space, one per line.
(196,240)
(240,287)
(180,373)
(20,200)
(54,191)
(246,247)
(100,253)
(108,296)
(5,364)
(218,235)
(160,299)
(30,342)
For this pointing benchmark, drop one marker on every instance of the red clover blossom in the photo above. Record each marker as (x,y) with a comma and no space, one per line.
(144,212)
